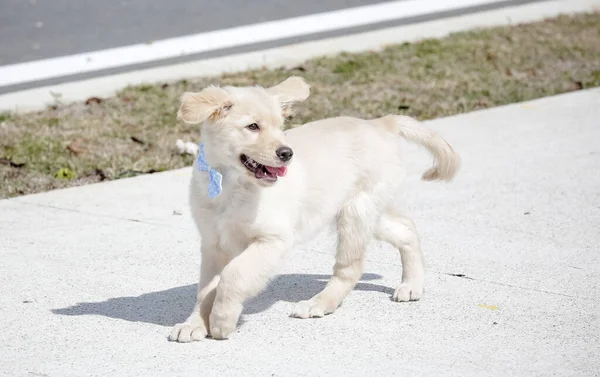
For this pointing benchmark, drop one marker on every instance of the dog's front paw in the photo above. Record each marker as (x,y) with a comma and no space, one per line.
(312,308)
(223,321)
(221,331)
(191,330)
(408,291)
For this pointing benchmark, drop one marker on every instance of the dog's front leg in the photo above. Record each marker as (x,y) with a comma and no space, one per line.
(196,326)
(243,278)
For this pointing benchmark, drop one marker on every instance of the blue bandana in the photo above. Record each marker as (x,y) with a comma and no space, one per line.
(215,178)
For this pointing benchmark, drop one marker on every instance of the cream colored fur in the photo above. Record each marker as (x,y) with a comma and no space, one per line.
(345,172)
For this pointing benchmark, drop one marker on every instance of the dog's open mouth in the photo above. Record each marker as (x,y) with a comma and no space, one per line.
(260,171)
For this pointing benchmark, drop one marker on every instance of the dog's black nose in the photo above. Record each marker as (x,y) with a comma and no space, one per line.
(284,153)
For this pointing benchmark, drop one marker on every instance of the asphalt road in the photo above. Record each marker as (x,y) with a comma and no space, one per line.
(31,30)
(38,29)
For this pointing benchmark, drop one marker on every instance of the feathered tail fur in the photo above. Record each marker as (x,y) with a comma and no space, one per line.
(447,161)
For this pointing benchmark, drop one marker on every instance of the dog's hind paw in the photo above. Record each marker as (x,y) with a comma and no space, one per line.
(310,309)
(408,292)
(188,332)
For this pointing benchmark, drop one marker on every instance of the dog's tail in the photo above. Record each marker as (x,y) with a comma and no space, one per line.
(447,161)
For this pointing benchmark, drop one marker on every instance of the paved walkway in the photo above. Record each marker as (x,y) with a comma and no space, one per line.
(92,278)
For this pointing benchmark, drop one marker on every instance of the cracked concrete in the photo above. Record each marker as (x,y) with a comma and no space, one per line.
(92,278)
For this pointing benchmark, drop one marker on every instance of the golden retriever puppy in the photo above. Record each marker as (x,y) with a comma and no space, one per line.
(256,192)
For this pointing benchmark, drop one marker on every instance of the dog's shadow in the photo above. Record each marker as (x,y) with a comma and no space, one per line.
(172,306)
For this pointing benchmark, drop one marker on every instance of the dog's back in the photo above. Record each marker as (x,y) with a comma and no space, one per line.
(353,154)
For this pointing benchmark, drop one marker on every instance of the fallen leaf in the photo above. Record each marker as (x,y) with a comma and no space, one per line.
(531,72)
(93,100)
(65,173)
(575,85)
(137,140)
(491,307)
(11,163)
(76,147)
(482,103)
(100,174)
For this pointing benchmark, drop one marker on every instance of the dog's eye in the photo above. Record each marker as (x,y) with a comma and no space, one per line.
(253,127)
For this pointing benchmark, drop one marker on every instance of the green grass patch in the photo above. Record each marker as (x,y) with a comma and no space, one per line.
(5,117)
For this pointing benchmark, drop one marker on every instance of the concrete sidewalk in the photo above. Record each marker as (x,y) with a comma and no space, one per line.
(92,278)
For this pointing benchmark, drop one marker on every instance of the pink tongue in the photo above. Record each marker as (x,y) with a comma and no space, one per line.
(282,171)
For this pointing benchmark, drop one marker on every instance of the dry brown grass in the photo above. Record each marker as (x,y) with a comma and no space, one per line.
(135,131)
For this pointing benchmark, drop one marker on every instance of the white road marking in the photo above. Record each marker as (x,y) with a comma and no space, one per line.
(220,39)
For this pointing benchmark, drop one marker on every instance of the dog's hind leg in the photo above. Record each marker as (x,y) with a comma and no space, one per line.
(355,224)
(401,232)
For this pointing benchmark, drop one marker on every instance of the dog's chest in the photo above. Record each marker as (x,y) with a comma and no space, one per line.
(234,226)
(232,234)
(239,217)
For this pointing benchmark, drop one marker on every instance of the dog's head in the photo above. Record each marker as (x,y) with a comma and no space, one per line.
(243,126)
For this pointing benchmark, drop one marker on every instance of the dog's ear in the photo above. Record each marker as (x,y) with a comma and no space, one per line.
(212,102)
(293,89)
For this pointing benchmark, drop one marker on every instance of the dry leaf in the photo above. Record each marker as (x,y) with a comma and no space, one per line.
(9,162)
(93,100)
(137,140)
(575,85)
(76,147)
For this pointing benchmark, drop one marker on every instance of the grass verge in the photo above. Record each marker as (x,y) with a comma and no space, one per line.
(135,131)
